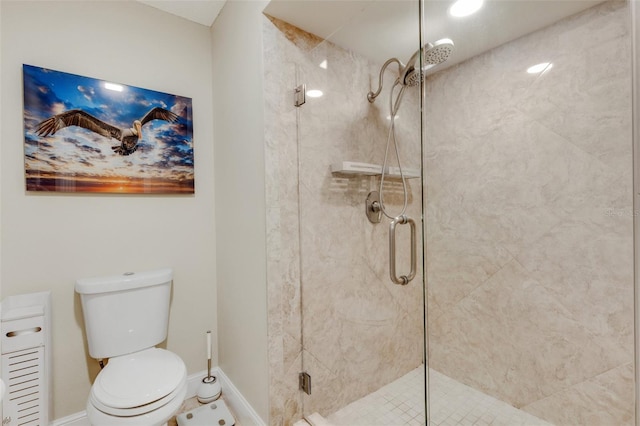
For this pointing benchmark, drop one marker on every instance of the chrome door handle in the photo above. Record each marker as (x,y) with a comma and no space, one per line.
(403,279)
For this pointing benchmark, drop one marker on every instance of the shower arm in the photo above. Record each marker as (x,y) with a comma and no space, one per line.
(371,96)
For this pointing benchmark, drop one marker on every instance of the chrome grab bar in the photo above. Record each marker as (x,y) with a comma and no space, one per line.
(403,279)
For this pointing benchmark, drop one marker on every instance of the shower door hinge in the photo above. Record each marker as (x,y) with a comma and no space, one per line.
(299,95)
(304,379)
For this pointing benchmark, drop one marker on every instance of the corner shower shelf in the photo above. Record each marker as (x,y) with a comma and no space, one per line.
(351,169)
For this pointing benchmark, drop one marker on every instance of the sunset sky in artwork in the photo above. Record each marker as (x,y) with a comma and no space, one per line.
(163,160)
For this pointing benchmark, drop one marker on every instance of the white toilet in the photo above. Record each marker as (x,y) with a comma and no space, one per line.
(125,316)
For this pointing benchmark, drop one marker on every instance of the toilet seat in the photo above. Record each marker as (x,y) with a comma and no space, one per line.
(138,383)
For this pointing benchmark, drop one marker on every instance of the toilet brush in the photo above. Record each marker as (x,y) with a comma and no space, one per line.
(209,390)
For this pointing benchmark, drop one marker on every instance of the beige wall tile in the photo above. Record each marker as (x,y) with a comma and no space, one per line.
(529,221)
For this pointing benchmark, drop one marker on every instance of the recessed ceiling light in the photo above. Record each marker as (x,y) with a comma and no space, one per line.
(314,93)
(465,7)
(323,64)
(540,68)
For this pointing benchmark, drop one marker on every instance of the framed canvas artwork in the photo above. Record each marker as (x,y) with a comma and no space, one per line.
(87,135)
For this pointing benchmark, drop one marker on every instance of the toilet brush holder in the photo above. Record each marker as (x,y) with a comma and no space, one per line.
(209,390)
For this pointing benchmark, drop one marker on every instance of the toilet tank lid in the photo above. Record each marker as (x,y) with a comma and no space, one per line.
(126,281)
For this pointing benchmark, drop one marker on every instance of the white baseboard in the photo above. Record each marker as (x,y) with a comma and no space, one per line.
(243,411)
(77,419)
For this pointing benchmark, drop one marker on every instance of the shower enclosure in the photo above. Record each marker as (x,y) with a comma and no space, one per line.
(515,163)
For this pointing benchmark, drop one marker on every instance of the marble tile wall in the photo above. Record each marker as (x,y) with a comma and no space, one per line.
(529,221)
(333,311)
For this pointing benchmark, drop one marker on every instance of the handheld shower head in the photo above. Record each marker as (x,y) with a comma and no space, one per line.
(439,51)
(433,54)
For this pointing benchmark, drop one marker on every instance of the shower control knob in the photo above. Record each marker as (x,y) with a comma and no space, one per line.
(373,208)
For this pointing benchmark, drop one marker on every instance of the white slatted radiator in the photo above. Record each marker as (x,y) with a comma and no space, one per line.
(26,349)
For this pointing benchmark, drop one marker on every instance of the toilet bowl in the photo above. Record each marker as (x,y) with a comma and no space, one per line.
(125,317)
(143,388)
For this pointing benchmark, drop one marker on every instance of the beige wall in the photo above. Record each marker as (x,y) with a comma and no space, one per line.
(240,199)
(333,311)
(529,221)
(50,240)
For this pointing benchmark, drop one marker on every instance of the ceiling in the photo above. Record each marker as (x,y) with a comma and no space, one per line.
(381,29)
(201,11)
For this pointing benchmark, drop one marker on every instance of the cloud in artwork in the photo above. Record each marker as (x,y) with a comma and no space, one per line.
(87,92)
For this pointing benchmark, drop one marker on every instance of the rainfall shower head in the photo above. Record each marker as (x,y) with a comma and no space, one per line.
(433,54)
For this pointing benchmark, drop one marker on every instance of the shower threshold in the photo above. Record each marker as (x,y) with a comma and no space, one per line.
(401,403)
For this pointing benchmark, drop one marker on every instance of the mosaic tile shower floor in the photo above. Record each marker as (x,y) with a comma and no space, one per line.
(401,403)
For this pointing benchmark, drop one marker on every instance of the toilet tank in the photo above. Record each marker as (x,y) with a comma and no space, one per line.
(125,313)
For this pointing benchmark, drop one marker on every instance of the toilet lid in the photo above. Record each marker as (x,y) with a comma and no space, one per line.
(139,378)
(142,409)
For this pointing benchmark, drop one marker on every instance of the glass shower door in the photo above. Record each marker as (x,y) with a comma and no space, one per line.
(362,335)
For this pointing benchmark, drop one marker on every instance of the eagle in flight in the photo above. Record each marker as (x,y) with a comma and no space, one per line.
(128,137)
